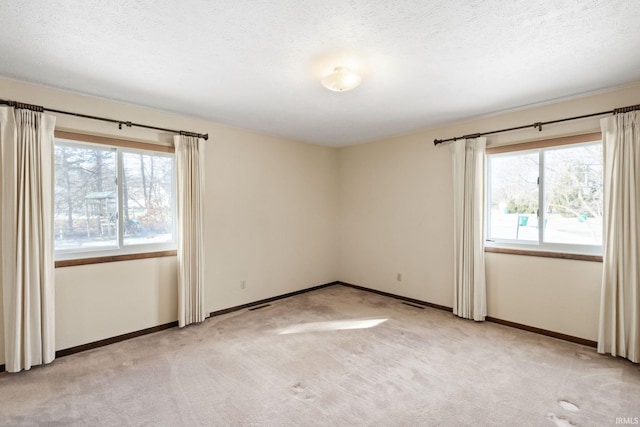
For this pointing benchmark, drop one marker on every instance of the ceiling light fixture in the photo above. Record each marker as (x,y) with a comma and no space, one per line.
(341,80)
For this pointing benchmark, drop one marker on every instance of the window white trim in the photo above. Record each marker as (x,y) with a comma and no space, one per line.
(120,147)
(64,255)
(547,247)
(539,147)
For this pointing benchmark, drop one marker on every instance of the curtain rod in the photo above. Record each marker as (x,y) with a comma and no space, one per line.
(539,125)
(120,123)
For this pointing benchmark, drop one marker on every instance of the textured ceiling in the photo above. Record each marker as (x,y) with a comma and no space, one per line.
(257,64)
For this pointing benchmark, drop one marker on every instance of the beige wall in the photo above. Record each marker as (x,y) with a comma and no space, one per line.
(395,217)
(270,212)
(553,294)
(99,301)
(271,218)
(284,216)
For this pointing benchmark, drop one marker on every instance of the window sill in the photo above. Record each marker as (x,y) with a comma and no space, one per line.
(544,254)
(113,258)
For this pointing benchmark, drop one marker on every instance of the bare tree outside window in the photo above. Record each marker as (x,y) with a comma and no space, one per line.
(88,201)
(148,211)
(85,197)
(571,195)
(514,196)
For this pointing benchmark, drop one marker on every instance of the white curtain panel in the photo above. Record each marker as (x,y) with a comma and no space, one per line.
(26,146)
(469,298)
(619,332)
(190,201)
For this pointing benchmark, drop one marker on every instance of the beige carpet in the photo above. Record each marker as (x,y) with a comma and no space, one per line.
(404,366)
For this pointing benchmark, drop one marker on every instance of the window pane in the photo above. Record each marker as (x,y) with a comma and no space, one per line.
(573,195)
(514,196)
(147,198)
(85,197)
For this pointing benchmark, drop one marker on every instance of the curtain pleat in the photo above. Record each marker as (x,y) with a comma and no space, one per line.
(619,327)
(27,259)
(469,298)
(190,200)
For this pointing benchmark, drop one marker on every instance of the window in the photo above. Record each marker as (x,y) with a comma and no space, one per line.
(112,199)
(546,195)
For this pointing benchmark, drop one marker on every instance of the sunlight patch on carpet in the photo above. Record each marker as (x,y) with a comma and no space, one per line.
(332,325)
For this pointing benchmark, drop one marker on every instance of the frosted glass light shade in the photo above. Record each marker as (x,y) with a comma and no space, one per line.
(341,80)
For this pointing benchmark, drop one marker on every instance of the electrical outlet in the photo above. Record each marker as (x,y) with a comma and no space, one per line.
(399,277)
(243,284)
